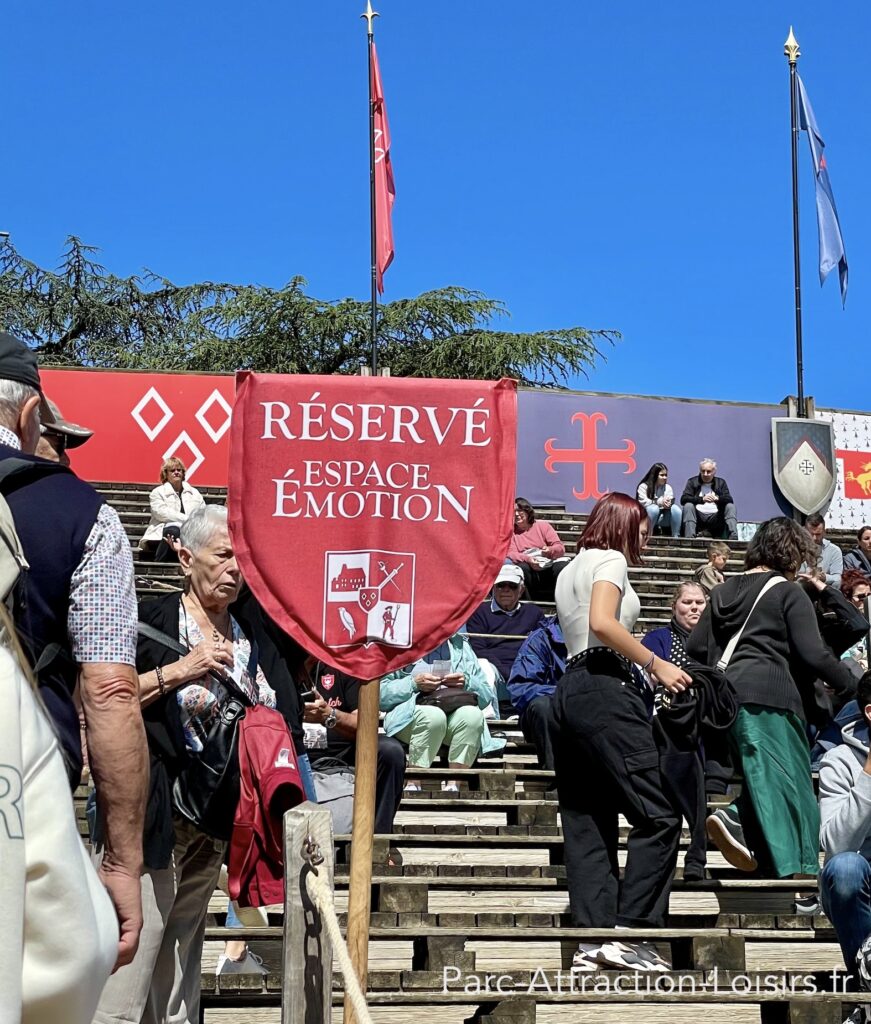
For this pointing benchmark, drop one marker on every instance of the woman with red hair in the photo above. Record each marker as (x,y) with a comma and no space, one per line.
(606,761)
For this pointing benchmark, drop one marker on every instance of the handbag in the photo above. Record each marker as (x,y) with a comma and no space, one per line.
(448,699)
(206,790)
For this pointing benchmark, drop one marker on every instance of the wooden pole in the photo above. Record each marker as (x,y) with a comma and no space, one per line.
(362,834)
(306,996)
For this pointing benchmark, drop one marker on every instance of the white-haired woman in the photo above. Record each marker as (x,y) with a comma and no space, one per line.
(172,501)
(181,696)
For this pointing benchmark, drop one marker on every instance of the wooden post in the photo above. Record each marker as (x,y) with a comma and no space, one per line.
(306,995)
(362,830)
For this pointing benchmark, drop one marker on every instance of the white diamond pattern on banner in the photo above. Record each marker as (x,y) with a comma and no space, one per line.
(851,503)
(215,398)
(151,395)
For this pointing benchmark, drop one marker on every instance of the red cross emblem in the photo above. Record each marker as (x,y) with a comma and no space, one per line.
(589,455)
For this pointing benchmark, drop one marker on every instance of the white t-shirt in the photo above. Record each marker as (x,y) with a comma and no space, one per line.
(58,928)
(574,588)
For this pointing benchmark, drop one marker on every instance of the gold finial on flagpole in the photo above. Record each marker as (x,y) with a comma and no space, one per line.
(369,14)
(790,47)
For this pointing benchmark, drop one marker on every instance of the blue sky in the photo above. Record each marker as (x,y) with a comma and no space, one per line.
(620,165)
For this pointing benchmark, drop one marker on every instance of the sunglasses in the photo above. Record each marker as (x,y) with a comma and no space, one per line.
(509,586)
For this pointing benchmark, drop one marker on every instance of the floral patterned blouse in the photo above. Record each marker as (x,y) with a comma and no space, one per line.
(201,699)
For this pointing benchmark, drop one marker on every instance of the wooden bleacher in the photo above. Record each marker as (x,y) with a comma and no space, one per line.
(475,881)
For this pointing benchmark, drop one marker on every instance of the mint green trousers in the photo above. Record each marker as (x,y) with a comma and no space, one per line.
(429,728)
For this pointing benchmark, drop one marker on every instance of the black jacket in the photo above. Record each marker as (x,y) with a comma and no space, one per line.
(780,653)
(693,489)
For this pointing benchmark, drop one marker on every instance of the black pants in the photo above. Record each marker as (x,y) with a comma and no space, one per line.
(540,583)
(607,763)
(538,725)
(389,777)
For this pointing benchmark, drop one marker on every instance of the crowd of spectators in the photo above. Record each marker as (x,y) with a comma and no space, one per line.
(750,668)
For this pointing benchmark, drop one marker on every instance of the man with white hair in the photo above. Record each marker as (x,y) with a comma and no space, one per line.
(75,613)
(707,504)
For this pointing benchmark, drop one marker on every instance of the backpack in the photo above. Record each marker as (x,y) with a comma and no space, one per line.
(13,564)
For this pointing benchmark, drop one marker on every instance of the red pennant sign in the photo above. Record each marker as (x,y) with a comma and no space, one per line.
(370,515)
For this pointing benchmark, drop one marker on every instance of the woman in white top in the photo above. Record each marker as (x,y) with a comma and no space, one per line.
(607,762)
(657,497)
(171,502)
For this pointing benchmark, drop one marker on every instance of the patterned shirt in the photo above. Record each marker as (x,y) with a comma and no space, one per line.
(201,699)
(102,616)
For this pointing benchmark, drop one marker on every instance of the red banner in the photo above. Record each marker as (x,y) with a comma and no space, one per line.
(370,515)
(141,419)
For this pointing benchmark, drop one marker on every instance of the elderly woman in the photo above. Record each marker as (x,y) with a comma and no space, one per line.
(856,588)
(181,696)
(537,549)
(171,502)
(412,697)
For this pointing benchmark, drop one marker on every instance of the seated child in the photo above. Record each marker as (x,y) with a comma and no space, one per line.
(711,574)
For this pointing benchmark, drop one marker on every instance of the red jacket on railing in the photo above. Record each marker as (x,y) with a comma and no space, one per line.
(269,785)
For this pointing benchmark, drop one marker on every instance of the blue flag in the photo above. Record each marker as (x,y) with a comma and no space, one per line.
(832,252)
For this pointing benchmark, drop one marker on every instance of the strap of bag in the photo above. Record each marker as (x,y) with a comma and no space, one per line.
(733,643)
(159,637)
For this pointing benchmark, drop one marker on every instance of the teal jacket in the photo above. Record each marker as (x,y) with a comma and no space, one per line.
(398,694)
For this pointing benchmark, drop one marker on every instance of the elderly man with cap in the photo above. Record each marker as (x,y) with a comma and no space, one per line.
(57,435)
(499,625)
(75,612)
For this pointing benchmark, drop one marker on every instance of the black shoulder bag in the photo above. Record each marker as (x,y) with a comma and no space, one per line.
(206,791)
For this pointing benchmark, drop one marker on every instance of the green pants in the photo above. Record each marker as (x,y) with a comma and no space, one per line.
(777,806)
(430,728)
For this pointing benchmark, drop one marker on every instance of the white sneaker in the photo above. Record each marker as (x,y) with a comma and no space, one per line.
(251,963)
(411,787)
(450,787)
(861,1015)
(585,959)
(630,956)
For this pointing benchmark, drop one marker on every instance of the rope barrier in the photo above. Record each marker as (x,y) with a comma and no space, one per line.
(322,897)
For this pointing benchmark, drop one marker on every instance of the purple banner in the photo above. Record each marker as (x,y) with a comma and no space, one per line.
(573,448)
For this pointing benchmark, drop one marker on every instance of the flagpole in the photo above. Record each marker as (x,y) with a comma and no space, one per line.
(370,15)
(792,53)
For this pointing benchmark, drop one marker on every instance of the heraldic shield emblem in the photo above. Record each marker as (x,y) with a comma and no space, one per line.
(803,457)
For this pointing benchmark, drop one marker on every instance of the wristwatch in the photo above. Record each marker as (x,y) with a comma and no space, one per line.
(330,720)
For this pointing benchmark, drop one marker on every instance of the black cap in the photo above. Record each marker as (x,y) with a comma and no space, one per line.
(18,362)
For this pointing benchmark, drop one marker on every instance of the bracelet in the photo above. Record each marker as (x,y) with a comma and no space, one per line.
(161,682)
(649,664)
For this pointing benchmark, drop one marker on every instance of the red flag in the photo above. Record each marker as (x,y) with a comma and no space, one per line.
(385,191)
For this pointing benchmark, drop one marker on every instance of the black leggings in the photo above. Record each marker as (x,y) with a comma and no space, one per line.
(606,764)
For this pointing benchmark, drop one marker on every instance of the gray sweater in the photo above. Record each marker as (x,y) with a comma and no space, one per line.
(845,794)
